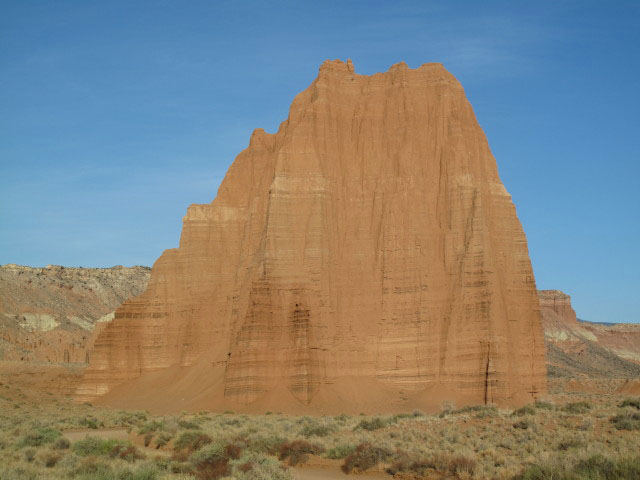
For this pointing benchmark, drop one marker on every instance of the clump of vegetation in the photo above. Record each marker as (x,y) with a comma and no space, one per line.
(39,437)
(569,443)
(364,457)
(93,446)
(522,424)
(626,421)
(255,466)
(577,408)
(593,468)
(210,462)
(89,422)
(62,444)
(525,410)
(152,427)
(374,424)
(544,405)
(317,430)
(340,451)
(192,441)
(630,402)
(298,451)
(188,425)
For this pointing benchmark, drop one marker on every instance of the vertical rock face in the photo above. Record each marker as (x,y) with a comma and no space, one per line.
(367,249)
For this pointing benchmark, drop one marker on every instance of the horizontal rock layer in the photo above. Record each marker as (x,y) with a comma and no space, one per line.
(368,246)
(49,314)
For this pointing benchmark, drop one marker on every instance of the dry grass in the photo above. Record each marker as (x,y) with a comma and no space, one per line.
(574,436)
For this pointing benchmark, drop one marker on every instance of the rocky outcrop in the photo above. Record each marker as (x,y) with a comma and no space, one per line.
(365,257)
(577,348)
(50,314)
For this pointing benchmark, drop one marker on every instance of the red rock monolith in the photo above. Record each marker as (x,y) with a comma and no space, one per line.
(364,258)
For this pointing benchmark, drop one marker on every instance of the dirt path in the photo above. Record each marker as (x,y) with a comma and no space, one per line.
(319,473)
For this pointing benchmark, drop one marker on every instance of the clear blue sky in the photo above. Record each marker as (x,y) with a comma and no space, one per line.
(115,116)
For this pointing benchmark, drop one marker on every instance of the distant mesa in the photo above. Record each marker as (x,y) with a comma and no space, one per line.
(364,258)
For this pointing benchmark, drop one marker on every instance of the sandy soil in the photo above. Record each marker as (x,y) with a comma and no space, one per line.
(320,473)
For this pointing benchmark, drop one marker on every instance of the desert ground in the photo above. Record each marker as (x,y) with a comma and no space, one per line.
(572,434)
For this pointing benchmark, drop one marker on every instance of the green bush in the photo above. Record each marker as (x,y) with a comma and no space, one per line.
(97,446)
(374,424)
(210,462)
(255,466)
(62,444)
(39,437)
(626,421)
(298,451)
(364,457)
(522,424)
(577,407)
(596,467)
(89,422)
(630,402)
(152,427)
(187,425)
(192,441)
(340,451)
(526,410)
(315,430)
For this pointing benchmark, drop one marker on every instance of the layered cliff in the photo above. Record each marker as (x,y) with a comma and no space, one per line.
(50,314)
(577,349)
(366,256)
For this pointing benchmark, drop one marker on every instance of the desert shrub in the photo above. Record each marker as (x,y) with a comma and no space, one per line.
(522,424)
(96,446)
(191,441)
(39,437)
(525,410)
(298,451)
(566,444)
(364,457)
(340,451)
(30,454)
(626,421)
(544,405)
(131,418)
(89,422)
(374,424)
(210,462)
(599,466)
(62,444)
(264,443)
(342,418)
(404,462)
(105,472)
(630,402)
(317,430)
(152,427)
(232,451)
(596,467)
(162,439)
(187,425)
(126,452)
(48,458)
(255,466)
(180,467)
(461,465)
(91,468)
(577,407)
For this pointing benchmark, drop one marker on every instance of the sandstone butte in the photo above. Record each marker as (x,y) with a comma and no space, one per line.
(364,258)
